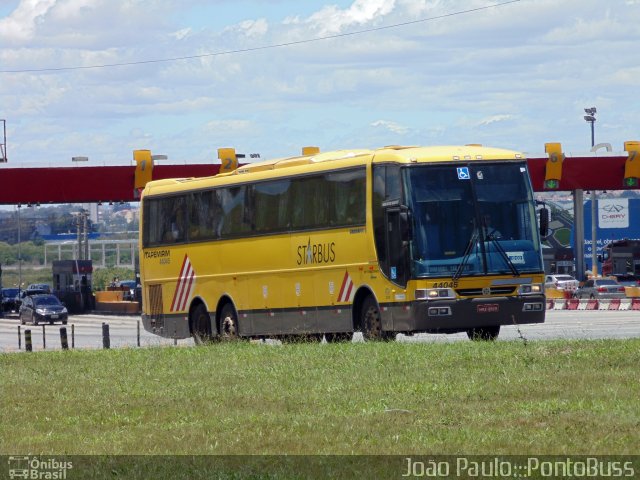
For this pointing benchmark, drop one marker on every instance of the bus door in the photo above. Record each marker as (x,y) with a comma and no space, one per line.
(397,240)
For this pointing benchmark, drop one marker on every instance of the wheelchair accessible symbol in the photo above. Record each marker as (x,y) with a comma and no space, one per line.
(463,173)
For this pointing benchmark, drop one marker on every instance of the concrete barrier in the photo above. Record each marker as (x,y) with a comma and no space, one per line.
(614,304)
(573,303)
(118,307)
(632,292)
(554,293)
(604,305)
(593,304)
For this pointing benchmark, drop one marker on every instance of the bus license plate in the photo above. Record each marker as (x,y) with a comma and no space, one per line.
(488,308)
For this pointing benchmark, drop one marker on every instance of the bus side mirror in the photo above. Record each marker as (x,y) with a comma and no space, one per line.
(544,222)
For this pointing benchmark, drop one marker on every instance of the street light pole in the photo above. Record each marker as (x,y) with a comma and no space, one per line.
(590,117)
(19,251)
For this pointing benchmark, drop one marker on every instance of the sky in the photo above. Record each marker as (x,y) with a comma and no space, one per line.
(272,76)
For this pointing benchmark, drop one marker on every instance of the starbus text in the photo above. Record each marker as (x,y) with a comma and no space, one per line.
(316,253)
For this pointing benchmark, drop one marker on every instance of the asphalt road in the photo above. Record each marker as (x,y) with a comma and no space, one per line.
(560,324)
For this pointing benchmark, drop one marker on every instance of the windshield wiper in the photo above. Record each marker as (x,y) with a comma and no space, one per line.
(467,254)
(510,264)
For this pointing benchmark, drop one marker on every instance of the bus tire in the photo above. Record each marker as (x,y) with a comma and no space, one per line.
(371,321)
(201,325)
(338,337)
(228,323)
(484,333)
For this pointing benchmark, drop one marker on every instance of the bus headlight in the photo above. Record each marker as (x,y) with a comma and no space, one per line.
(434,294)
(531,289)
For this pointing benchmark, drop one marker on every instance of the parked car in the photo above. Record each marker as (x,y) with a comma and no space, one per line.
(40,286)
(9,299)
(29,292)
(129,289)
(626,279)
(561,282)
(42,308)
(601,288)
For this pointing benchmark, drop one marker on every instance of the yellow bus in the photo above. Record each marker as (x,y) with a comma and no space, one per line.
(393,240)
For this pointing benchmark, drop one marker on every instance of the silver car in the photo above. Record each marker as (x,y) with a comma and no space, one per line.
(561,282)
(601,288)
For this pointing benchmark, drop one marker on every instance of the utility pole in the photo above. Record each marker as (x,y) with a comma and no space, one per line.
(590,117)
(82,235)
(3,142)
(19,250)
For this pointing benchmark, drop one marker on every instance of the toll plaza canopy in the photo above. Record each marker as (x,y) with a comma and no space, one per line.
(118,183)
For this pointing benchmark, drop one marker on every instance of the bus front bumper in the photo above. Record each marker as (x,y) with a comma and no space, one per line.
(450,316)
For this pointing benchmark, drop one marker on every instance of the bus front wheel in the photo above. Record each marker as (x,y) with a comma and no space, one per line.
(228,323)
(484,333)
(371,321)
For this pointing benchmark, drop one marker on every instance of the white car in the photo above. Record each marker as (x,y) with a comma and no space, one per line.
(561,282)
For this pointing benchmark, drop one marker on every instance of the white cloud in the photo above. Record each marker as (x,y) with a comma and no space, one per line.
(254,28)
(182,33)
(494,119)
(20,26)
(225,127)
(391,126)
(331,19)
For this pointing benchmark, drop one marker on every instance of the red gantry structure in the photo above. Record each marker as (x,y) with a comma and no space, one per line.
(554,172)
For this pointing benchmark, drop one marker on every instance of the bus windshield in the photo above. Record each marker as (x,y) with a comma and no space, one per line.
(472,220)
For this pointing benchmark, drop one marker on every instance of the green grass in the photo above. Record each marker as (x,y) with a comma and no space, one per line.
(362,398)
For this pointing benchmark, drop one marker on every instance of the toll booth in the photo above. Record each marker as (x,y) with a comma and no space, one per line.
(72,280)
(621,256)
(559,260)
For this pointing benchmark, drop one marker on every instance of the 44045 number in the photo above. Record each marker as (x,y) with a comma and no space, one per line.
(451,284)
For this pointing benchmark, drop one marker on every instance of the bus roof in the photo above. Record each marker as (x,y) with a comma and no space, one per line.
(317,162)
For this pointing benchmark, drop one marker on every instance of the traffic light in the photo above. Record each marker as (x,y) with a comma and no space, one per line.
(144,168)
(632,164)
(553,168)
(228,158)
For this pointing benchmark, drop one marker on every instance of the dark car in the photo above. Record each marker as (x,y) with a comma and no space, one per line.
(129,289)
(627,279)
(42,308)
(29,292)
(9,299)
(39,286)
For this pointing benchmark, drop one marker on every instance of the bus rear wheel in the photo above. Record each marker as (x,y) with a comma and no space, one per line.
(228,323)
(484,333)
(371,322)
(201,325)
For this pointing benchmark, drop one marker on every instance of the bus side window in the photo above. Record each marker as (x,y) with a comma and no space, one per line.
(175,224)
(234,220)
(350,197)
